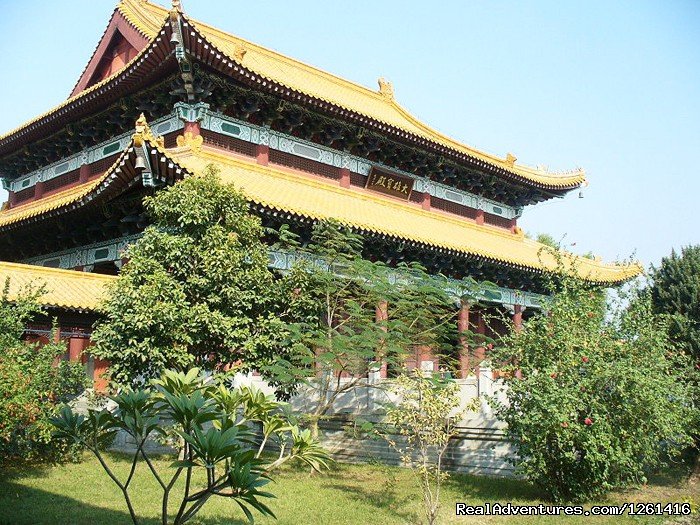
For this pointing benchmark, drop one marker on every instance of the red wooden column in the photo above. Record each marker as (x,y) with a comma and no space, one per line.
(518,317)
(84,173)
(76,349)
(44,339)
(462,327)
(480,216)
(193,127)
(100,371)
(513,225)
(518,323)
(425,203)
(11,198)
(191,116)
(344,178)
(38,190)
(480,351)
(262,154)
(381,314)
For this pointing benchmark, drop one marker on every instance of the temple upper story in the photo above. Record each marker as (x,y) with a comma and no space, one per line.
(303,145)
(145,43)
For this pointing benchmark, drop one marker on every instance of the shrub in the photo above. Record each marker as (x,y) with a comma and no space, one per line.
(599,399)
(675,291)
(341,342)
(32,385)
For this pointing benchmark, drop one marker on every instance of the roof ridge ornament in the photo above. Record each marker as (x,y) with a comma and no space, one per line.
(177,6)
(239,52)
(511,159)
(386,89)
(191,141)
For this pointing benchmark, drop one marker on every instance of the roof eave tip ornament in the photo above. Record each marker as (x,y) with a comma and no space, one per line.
(142,162)
(139,128)
(583,185)
(142,131)
(386,89)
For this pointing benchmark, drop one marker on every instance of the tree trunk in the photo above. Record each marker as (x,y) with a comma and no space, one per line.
(313,427)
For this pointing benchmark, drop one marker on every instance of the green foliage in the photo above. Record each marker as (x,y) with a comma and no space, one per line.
(550,242)
(31,385)
(676,291)
(595,397)
(425,417)
(197,289)
(214,428)
(340,340)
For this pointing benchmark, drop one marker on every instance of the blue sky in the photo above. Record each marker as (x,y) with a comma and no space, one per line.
(613,87)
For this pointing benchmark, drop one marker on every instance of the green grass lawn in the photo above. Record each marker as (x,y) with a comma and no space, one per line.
(349,494)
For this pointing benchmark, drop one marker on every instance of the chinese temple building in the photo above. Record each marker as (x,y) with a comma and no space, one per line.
(302,144)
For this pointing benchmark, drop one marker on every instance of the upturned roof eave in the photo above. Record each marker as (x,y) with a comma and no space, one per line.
(119,177)
(138,67)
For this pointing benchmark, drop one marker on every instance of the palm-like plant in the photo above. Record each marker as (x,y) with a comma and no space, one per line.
(215,428)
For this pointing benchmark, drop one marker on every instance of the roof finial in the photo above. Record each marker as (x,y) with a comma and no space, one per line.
(177,5)
(385,88)
(510,159)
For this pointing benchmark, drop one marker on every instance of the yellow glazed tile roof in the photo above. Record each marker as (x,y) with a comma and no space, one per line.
(324,86)
(149,19)
(48,204)
(63,288)
(317,199)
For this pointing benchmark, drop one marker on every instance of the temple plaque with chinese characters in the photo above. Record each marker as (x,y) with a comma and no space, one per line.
(390,183)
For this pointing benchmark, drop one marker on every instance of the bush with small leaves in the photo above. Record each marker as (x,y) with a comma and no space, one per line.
(595,394)
(197,290)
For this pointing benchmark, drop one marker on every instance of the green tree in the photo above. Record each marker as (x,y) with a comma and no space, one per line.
(33,381)
(675,291)
(340,342)
(547,240)
(197,289)
(599,399)
(214,428)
